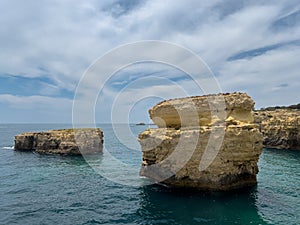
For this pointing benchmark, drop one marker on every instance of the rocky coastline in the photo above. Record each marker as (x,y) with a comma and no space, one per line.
(63,142)
(280,128)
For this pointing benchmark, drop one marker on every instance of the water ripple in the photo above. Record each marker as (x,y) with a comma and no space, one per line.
(38,189)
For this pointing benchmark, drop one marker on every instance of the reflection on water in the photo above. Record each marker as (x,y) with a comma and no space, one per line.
(161,205)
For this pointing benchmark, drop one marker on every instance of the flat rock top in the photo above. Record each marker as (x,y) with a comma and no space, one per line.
(231,100)
(284,115)
(279,112)
(64,131)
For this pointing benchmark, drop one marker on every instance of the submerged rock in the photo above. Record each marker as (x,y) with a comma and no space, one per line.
(218,153)
(64,142)
(280,128)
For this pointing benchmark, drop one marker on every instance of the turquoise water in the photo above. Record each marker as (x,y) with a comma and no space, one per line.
(41,189)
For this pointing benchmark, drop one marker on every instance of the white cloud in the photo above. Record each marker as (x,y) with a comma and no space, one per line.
(35,109)
(35,102)
(60,39)
(262,77)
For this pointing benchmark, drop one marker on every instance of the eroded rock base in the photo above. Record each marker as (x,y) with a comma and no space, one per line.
(174,157)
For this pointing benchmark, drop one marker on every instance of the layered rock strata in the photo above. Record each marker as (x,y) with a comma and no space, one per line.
(217,150)
(64,142)
(203,111)
(280,128)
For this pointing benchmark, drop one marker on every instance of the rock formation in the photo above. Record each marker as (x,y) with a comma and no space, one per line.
(280,128)
(203,111)
(207,142)
(64,142)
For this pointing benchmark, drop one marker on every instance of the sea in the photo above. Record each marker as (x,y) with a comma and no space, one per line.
(53,189)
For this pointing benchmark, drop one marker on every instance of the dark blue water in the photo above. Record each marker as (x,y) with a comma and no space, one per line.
(41,189)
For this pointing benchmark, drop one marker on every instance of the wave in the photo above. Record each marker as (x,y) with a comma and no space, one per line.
(11,147)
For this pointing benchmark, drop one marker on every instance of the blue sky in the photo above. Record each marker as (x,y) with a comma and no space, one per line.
(46,46)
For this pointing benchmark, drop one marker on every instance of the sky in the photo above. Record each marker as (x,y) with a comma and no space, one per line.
(47,46)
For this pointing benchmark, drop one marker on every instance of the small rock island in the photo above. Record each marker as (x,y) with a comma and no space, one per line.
(185,126)
(63,142)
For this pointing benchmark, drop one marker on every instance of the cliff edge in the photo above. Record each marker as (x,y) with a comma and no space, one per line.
(280,128)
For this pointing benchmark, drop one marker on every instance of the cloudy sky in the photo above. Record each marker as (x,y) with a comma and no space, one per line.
(47,46)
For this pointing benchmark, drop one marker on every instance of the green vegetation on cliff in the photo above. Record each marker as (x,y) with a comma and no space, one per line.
(297,106)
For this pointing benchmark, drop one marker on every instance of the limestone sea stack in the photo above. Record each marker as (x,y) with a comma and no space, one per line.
(280,128)
(204,142)
(63,142)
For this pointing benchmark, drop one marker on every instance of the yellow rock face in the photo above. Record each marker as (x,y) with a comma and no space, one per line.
(203,110)
(280,128)
(209,155)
